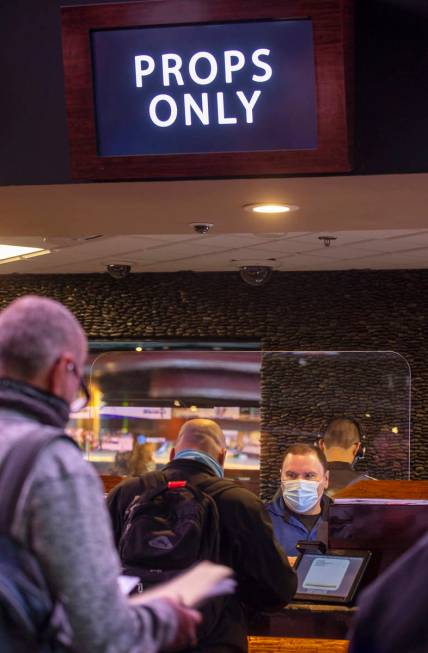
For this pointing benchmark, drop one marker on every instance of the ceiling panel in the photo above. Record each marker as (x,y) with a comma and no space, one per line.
(340,252)
(163,253)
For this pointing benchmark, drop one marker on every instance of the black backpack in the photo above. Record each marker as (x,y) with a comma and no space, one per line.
(30,619)
(168,527)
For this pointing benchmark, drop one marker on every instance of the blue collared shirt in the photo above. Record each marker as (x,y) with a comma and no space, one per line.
(288,528)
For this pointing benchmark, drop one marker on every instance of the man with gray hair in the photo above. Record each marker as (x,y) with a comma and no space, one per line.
(64,521)
(247,544)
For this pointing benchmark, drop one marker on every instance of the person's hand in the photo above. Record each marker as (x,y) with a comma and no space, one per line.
(187,621)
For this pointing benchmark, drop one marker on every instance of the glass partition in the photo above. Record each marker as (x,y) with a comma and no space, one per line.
(264,401)
(302,391)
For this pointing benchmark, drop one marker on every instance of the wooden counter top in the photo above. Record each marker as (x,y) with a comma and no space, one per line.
(416,490)
(295,645)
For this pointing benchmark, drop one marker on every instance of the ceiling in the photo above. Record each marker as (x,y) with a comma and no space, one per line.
(326,203)
(357,249)
(379,222)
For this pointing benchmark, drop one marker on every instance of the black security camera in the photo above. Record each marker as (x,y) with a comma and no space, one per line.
(118,271)
(201,227)
(255,275)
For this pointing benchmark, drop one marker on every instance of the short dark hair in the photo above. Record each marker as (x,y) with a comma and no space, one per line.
(305,450)
(342,432)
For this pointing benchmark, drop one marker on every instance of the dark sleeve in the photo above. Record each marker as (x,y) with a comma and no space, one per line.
(118,500)
(392,613)
(265,579)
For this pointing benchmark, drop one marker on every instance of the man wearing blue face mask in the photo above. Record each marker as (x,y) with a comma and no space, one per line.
(299,509)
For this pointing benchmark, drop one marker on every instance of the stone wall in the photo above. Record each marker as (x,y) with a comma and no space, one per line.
(312,311)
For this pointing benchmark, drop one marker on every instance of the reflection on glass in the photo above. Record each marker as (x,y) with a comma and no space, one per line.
(139,400)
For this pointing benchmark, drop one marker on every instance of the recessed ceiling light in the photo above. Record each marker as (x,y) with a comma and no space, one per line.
(10,253)
(270,208)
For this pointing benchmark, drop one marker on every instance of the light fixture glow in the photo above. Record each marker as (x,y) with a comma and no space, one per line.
(40,252)
(138,349)
(270,208)
(11,253)
(394,429)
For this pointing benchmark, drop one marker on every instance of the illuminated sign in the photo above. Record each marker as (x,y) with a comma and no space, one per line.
(178,89)
(208,88)
(138,412)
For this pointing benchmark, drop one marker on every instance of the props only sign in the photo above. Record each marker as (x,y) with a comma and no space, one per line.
(234,60)
(205,88)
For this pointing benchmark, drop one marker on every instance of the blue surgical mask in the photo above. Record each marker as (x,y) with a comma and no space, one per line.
(300,496)
(201,457)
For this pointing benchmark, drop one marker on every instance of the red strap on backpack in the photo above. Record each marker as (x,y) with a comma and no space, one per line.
(174,484)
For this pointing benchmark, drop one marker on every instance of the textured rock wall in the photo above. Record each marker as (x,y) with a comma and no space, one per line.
(313,311)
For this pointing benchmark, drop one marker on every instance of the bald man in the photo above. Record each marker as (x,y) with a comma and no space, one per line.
(63,519)
(265,579)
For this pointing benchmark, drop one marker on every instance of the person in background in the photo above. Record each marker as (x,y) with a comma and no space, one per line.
(342,445)
(299,510)
(135,462)
(141,459)
(64,522)
(247,545)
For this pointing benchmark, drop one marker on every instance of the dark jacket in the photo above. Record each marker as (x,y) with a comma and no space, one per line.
(392,615)
(265,579)
(289,529)
(342,475)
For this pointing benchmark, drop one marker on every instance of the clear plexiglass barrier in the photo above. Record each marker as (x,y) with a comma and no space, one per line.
(264,401)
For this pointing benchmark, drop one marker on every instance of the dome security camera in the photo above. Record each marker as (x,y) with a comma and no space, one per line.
(255,275)
(118,271)
(201,227)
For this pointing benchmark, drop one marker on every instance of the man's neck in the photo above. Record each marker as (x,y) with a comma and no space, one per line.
(314,511)
(339,455)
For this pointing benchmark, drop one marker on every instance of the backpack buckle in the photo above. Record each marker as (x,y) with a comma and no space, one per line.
(174,484)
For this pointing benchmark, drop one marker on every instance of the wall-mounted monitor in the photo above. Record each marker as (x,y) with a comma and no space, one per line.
(176,89)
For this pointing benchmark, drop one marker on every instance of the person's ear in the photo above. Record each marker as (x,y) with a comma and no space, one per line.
(321,444)
(57,375)
(355,448)
(172,454)
(327,479)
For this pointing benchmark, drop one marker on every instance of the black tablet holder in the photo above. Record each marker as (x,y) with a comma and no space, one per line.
(306,546)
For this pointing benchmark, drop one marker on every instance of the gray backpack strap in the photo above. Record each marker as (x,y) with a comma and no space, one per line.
(16,467)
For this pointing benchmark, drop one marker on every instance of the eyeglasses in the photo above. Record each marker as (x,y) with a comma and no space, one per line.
(84,396)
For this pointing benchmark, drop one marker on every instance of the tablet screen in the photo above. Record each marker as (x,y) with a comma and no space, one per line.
(330,576)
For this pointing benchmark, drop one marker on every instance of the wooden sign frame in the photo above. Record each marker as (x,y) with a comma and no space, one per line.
(332,22)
